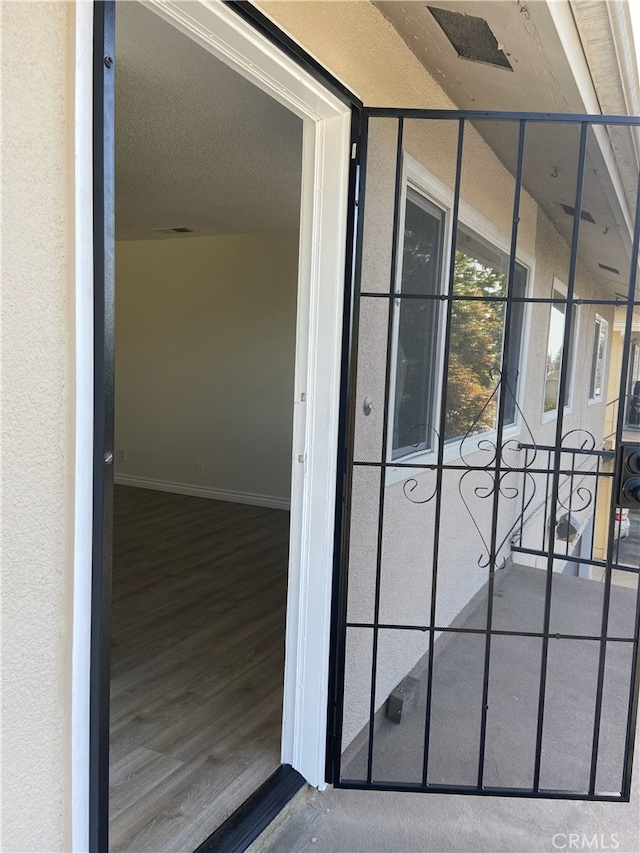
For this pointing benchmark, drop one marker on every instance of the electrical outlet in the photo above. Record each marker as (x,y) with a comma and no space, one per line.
(199,469)
(122,454)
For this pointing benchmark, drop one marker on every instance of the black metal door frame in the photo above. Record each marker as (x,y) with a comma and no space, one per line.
(104,251)
(264,804)
(340,623)
(103,376)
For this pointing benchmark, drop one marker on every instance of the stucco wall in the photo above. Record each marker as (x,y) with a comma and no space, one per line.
(357,44)
(205,344)
(408,542)
(406,569)
(586,418)
(37,215)
(352,40)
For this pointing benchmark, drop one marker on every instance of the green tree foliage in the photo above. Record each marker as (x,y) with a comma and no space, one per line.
(476,345)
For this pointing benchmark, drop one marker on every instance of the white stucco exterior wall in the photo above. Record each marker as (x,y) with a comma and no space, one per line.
(360,46)
(38,409)
(38,369)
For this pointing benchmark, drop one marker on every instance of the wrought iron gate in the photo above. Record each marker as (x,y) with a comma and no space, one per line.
(489,603)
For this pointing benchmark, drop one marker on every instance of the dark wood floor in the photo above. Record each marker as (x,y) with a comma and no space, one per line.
(198,612)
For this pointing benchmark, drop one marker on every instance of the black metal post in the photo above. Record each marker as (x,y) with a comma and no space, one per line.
(104,256)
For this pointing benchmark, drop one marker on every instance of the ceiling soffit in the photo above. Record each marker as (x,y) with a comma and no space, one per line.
(531,86)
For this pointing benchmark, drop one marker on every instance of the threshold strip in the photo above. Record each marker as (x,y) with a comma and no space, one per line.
(256,813)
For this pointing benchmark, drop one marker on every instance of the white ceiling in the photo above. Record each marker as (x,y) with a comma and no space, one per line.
(196,144)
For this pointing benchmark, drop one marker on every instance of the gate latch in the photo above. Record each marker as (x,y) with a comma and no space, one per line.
(629,475)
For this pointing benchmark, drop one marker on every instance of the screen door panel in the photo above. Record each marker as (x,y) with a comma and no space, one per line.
(488,633)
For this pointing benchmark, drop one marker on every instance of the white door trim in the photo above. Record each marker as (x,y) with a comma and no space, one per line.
(83,422)
(326,153)
(325,169)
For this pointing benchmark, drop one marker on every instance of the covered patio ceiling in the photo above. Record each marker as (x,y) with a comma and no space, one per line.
(536,77)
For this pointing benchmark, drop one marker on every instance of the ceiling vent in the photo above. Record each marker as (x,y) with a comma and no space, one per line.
(181,229)
(584,214)
(609,269)
(471,37)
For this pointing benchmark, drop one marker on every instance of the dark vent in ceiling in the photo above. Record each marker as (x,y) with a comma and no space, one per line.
(584,214)
(471,37)
(182,230)
(609,269)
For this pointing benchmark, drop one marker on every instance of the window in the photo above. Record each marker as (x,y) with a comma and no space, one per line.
(477,333)
(599,352)
(477,338)
(418,327)
(632,408)
(555,346)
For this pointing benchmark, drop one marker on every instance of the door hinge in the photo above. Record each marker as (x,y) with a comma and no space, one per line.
(354,150)
(332,734)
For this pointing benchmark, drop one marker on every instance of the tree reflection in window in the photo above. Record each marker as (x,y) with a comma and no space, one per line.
(418,327)
(477,336)
(477,333)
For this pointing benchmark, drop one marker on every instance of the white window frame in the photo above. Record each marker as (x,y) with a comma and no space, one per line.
(417,177)
(316,404)
(605,325)
(427,185)
(548,417)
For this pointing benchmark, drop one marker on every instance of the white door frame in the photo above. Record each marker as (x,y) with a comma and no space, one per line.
(325,169)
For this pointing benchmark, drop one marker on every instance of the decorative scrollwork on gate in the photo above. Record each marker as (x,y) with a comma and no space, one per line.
(411,484)
(497,476)
(584,494)
(480,481)
(587,443)
(505,384)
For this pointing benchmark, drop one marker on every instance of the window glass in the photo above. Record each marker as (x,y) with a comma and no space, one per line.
(477,338)
(598,357)
(555,343)
(417,342)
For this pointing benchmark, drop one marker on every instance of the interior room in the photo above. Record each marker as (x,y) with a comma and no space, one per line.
(208,174)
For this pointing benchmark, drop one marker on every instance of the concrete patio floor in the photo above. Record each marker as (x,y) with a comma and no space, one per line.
(345,821)
(513,691)
(338,821)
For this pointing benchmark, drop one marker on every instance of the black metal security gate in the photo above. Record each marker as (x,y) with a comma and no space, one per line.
(488,610)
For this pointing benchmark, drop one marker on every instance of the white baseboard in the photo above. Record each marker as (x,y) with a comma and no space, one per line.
(270,501)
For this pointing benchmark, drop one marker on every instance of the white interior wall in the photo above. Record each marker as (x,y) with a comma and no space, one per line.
(205,338)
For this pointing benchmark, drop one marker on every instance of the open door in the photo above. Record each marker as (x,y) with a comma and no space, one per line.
(247,43)
(488,614)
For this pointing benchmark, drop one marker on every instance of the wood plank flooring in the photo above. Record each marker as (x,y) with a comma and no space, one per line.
(198,609)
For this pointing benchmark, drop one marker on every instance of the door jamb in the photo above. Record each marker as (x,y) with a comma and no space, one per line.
(326,166)
(325,169)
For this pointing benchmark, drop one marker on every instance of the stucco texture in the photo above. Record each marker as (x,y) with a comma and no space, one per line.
(357,44)
(37,413)
(487,190)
